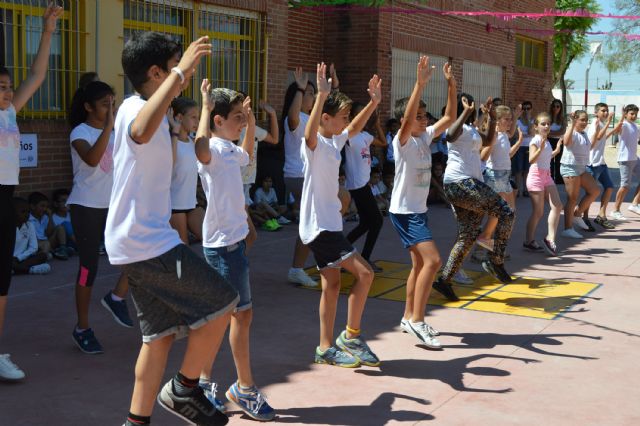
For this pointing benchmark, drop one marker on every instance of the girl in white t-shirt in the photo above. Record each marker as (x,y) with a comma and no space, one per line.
(92,118)
(628,160)
(573,168)
(541,187)
(186,216)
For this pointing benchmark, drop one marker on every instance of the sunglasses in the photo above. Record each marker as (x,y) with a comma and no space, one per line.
(526,108)
(557,106)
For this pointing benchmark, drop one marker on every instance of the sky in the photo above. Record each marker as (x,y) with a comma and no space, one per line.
(624,80)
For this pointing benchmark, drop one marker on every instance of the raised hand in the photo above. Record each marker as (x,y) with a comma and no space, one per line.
(517,112)
(205,91)
(109,120)
(425,71)
(324,85)
(50,16)
(446,70)
(610,118)
(335,83)
(301,78)
(174,123)
(191,57)
(267,107)
(246,108)
(520,135)
(374,90)
(468,107)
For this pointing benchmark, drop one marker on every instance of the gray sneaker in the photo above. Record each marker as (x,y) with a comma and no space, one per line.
(358,348)
(333,356)
(195,409)
(421,331)
(404,326)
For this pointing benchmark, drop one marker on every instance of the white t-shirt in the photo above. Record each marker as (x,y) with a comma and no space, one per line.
(225,221)
(268,197)
(292,142)
(250,170)
(358,160)
(526,139)
(544,159)
(596,156)
(464,156)
(320,205)
(184,179)
(628,144)
(40,225)
(499,158)
(26,241)
(413,173)
(58,220)
(140,208)
(91,185)
(578,153)
(9,147)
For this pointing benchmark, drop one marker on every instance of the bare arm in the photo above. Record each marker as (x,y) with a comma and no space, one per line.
(454,132)
(514,123)
(153,112)
(516,145)
(489,132)
(40,65)
(558,148)
(324,87)
(568,135)
(380,139)
(274,131)
(423,75)
(451,110)
(250,133)
(534,151)
(93,154)
(293,115)
(375,95)
(204,131)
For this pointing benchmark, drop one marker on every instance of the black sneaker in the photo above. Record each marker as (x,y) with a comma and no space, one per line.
(194,409)
(87,341)
(445,289)
(602,221)
(497,271)
(532,246)
(590,227)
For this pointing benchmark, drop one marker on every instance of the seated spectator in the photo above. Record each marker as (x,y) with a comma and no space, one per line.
(387,180)
(348,209)
(379,189)
(26,258)
(61,217)
(52,240)
(266,199)
(392,127)
(436,190)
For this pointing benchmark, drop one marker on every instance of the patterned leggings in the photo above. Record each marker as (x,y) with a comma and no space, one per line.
(472,200)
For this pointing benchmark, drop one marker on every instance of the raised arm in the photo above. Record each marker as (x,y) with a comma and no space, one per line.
(174,131)
(204,130)
(534,151)
(423,75)
(600,131)
(517,113)
(451,110)
(153,112)
(93,154)
(558,148)
(516,146)
(38,71)
(335,83)
(568,134)
(274,131)
(250,133)
(489,132)
(324,87)
(454,132)
(375,95)
(379,139)
(293,115)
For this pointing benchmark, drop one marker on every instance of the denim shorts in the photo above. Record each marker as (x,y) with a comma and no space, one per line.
(628,169)
(601,174)
(498,180)
(232,263)
(572,170)
(413,228)
(175,292)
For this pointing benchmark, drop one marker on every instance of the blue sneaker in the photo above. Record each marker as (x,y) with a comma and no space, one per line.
(251,401)
(358,348)
(210,390)
(333,356)
(118,310)
(87,342)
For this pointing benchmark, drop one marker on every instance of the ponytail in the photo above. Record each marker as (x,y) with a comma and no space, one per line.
(91,93)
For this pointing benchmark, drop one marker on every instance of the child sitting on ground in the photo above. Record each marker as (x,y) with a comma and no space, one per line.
(26,259)
(51,239)
(436,191)
(378,189)
(266,199)
(61,217)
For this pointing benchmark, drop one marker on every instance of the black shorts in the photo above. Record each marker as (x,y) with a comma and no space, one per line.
(185,211)
(330,249)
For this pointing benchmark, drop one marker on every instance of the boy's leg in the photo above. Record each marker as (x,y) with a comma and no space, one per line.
(330,281)
(24,266)
(428,253)
(122,286)
(239,341)
(150,366)
(58,238)
(416,267)
(195,218)
(359,291)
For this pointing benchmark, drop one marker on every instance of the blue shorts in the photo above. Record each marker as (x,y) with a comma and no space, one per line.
(572,170)
(601,174)
(413,228)
(232,263)
(498,180)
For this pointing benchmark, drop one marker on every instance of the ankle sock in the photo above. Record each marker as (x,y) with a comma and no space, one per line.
(133,419)
(116,298)
(183,386)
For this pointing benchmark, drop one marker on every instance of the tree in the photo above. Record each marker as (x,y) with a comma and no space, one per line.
(623,53)
(570,42)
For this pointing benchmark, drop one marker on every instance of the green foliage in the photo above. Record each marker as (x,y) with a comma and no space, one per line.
(623,53)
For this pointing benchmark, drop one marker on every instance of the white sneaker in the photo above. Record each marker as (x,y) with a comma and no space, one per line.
(421,331)
(571,233)
(405,328)
(8,370)
(283,220)
(634,208)
(41,269)
(580,223)
(299,276)
(462,278)
(617,216)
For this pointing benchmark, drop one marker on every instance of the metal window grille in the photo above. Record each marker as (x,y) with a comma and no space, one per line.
(404,64)
(237,37)
(20,31)
(481,80)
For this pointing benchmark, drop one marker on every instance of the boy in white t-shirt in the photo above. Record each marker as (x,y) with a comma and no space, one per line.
(408,211)
(175,292)
(224,114)
(628,160)
(325,135)
(26,259)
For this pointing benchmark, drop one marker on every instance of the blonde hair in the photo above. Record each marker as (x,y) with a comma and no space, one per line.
(502,111)
(540,117)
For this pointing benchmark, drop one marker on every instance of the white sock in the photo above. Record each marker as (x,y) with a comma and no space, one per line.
(116,298)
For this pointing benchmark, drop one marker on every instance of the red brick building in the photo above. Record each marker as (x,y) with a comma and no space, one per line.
(258,42)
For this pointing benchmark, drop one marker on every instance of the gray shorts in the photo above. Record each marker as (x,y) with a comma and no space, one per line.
(294,185)
(628,169)
(177,291)
(572,170)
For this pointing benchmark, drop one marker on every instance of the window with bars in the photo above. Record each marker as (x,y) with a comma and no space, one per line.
(530,53)
(20,31)
(481,81)
(237,37)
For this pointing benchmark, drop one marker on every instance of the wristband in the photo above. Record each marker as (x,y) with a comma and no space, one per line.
(179,72)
